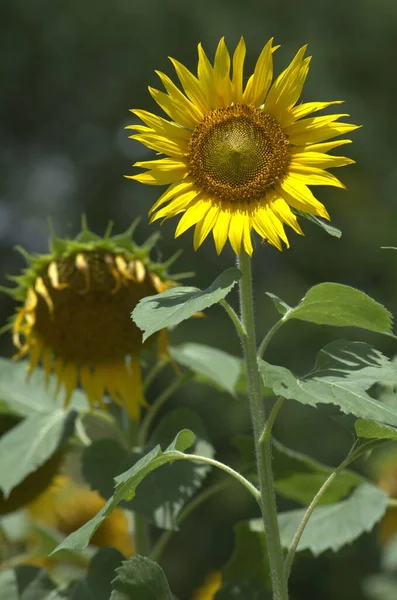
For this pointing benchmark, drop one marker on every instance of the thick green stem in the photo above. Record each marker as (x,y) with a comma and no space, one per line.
(263,450)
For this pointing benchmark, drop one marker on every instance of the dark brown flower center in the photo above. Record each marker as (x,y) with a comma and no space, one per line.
(237,153)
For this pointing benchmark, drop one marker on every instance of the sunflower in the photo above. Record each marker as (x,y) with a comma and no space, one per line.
(384,470)
(67,505)
(212,584)
(75,314)
(239,157)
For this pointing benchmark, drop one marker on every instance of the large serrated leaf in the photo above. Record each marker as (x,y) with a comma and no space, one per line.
(332,526)
(179,303)
(343,373)
(28,583)
(211,365)
(97,584)
(29,396)
(126,485)
(30,443)
(142,579)
(342,306)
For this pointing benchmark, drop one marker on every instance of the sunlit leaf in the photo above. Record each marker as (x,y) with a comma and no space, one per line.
(371,430)
(30,443)
(179,303)
(332,526)
(342,375)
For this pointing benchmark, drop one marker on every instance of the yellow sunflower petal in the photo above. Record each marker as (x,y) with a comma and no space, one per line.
(247,240)
(189,108)
(161,126)
(313,176)
(195,213)
(236,230)
(222,74)
(302,110)
(284,213)
(178,205)
(173,190)
(162,164)
(318,129)
(259,83)
(173,108)
(176,149)
(238,71)
(191,85)
(320,160)
(323,147)
(263,224)
(286,90)
(204,226)
(221,230)
(206,77)
(299,196)
(160,177)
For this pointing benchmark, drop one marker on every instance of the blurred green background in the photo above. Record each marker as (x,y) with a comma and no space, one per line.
(70,71)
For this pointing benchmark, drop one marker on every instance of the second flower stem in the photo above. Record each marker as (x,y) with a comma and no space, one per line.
(262,447)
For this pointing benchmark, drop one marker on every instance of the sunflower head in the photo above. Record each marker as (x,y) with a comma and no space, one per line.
(66,506)
(74,314)
(239,158)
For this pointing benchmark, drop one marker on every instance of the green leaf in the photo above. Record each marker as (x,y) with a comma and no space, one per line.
(210,365)
(140,578)
(371,430)
(298,476)
(27,583)
(28,397)
(327,227)
(164,492)
(97,584)
(179,303)
(282,307)
(247,562)
(342,375)
(126,485)
(342,306)
(332,526)
(31,443)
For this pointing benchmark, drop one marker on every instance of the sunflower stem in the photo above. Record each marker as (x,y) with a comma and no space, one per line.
(262,447)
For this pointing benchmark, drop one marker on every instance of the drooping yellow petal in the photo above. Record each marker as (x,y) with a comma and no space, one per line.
(179,204)
(41,289)
(221,229)
(236,230)
(264,225)
(259,83)
(238,71)
(204,226)
(247,240)
(284,213)
(173,190)
(155,177)
(195,213)
(298,195)
(92,385)
(68,376)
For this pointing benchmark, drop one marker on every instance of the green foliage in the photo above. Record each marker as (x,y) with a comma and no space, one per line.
(241,590)
(381,587)
(179,303)
(97,583)
(31,443)
(371,430)
(331,527)
(28,583)
(325,225)
(140,578)
(341,306)
(343,373)
(210,365)
(164,491)
(298,476)
(126,485)
(248,562)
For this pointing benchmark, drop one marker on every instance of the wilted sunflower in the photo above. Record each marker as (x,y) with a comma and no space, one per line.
(212,584)
(75,314)
(239,157)
(66,506)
